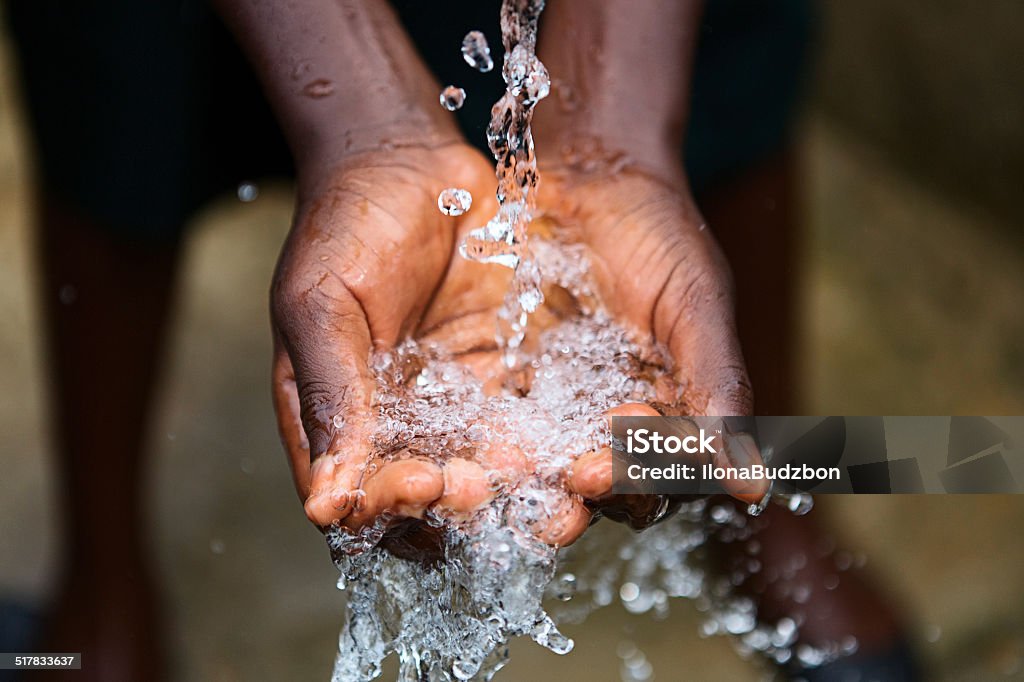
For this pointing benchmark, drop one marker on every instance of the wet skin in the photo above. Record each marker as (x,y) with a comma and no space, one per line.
(371,260)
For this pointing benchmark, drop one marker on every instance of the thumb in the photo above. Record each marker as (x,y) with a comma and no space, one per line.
(325,339)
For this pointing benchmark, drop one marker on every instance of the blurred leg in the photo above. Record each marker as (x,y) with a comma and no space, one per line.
(756,219)
(105,302)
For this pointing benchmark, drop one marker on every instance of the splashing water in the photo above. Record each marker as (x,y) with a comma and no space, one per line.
(477,52)
(451,620)
(452,98)
(454,201)
(504,239)
(451,617)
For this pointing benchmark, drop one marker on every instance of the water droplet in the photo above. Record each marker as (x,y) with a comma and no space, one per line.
(721,514)
(933,634)
(217,546)
(247,465)
(477,52)
(338,421)
(452,98)
(629,592)
(565,587)
(454,201)
(247,192)
(318,89)
(798,503)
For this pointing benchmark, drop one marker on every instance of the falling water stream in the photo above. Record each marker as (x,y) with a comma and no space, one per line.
(452,618)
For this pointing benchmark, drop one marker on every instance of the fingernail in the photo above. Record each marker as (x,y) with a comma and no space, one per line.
(339,499)
(743,451)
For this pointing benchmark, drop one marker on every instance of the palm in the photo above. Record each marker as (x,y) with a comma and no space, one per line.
(371,261)
(660,272)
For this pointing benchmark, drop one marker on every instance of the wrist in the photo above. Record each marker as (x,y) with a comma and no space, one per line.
(579,148)
(320,149)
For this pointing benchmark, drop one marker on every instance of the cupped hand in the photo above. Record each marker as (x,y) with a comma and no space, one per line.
(371,260)
(659,272)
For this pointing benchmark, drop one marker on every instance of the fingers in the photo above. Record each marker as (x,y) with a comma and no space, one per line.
(571,520)
(466,487)
(740,451)
(334,490)
(405,488)
(323,383)
(289,423)
(591,473)
(694,317)
(736,448)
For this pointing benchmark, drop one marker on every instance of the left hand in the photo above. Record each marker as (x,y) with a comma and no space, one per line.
(660,273)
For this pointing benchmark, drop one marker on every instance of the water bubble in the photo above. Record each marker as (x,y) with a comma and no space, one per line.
(338,421)
(466,668)
(247,465)
(933,634)
(636,668)
(318,89)
(757,508)
(811,656)
(801,594)
(454,201)
(217,546)
(798,503)
(849,645)
(477,52)
(722,514)
(564,587)
(626,649)
(247,192)
(452,98)
(629,592)
(785,632)
(547,635)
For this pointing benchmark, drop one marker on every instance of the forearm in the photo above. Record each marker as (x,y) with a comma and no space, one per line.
(341,75)
(624,70)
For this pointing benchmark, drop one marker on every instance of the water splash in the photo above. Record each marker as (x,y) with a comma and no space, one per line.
(452,619)
(247,192)
(477,52)
(454,201)
(503,239)
(452,98)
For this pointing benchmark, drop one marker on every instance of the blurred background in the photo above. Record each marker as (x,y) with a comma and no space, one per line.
(911,149)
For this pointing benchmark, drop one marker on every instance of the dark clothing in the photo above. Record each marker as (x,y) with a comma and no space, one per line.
(143,111)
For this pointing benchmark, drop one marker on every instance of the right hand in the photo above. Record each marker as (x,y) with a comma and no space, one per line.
(361,268)
(371,260)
